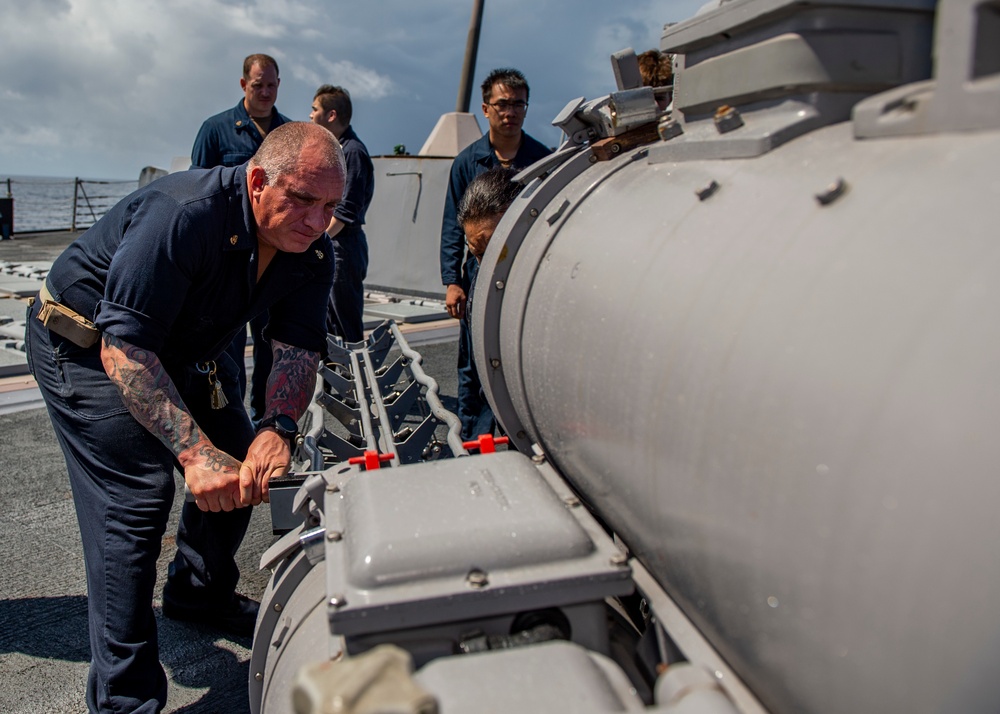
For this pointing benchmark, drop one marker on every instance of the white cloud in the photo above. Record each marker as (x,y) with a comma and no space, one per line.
(105,87)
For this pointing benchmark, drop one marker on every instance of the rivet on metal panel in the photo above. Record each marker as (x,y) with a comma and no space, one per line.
(337,601)
(533,213)
(593,159)
(495,363)
(572,501)
(522,435)
(332,488)
(538,459)
(500,284)
(334,536)
(669,129)
(258,676)
(277,607)
(832,192)
(477,579)
(707,192)
(619,559)
(727,118)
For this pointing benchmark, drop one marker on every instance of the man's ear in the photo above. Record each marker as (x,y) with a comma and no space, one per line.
(258,179)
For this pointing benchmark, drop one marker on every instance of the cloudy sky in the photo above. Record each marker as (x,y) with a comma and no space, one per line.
(101,88)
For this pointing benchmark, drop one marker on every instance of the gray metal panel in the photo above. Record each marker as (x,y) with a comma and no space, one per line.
(411,537)
(798,441)
(403,224)
(738,16)
(498,515)
(965,92)
(405,313)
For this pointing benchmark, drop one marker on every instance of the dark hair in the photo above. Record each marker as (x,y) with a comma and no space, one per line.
(656,69)
(264,61)
(338,99)
(490,194)
(282,149)
(507,76)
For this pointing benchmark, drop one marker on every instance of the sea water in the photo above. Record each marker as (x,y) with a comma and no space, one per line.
(43,203)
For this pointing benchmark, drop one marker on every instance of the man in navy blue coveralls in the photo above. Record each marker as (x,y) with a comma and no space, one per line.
(230,138)
(167,277)
(331,108)
(505,102)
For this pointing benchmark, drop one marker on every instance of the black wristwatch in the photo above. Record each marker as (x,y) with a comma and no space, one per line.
(284,425)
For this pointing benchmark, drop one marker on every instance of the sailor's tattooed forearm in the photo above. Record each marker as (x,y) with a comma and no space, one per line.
(292,380)
(149,394)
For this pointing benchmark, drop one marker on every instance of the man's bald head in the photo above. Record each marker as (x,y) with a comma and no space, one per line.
(283,149)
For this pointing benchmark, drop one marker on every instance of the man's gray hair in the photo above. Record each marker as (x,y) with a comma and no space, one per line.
(488,195)
(279,153)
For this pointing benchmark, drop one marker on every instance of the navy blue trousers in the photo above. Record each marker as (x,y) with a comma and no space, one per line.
(345,315)
(473,410)
(122,479)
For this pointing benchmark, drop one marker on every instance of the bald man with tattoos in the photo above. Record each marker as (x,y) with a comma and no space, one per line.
(127,342)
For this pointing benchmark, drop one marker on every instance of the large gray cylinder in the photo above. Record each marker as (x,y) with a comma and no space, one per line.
(778,380)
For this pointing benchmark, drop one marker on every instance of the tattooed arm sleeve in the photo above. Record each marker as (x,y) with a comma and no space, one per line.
(149,394)
(292,380)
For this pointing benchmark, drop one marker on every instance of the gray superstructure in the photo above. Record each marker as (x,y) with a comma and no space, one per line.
(748,353)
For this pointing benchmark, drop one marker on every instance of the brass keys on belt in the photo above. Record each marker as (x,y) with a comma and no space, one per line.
(218,397)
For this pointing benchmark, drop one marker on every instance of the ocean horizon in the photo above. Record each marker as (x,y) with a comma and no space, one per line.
(53,203)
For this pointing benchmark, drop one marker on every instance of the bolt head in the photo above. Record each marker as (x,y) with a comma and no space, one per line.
(259,677)
(337,601)
(278,607)
(334,536)
(500,284)
(477,579)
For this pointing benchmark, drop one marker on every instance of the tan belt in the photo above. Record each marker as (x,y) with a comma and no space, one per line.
(66,322)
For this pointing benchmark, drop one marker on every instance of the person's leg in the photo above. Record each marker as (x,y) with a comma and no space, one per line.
(123,488)
(470,403)
(203,575)
(347,299)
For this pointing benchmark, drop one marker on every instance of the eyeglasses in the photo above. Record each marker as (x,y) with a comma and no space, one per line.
(502,107)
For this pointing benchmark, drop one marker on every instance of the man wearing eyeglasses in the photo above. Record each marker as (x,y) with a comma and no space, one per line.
(505,103)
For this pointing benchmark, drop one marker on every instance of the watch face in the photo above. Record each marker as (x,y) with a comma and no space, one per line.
(285,424)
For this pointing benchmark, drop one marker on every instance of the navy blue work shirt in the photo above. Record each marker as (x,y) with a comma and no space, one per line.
(172,269)
(477,158)
(230,138)
(359,185)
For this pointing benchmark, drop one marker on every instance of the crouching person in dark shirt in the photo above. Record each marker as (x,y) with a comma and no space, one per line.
(479,212)
(127,342)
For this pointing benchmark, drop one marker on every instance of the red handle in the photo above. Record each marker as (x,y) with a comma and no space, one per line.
(370,460)
(486,443)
